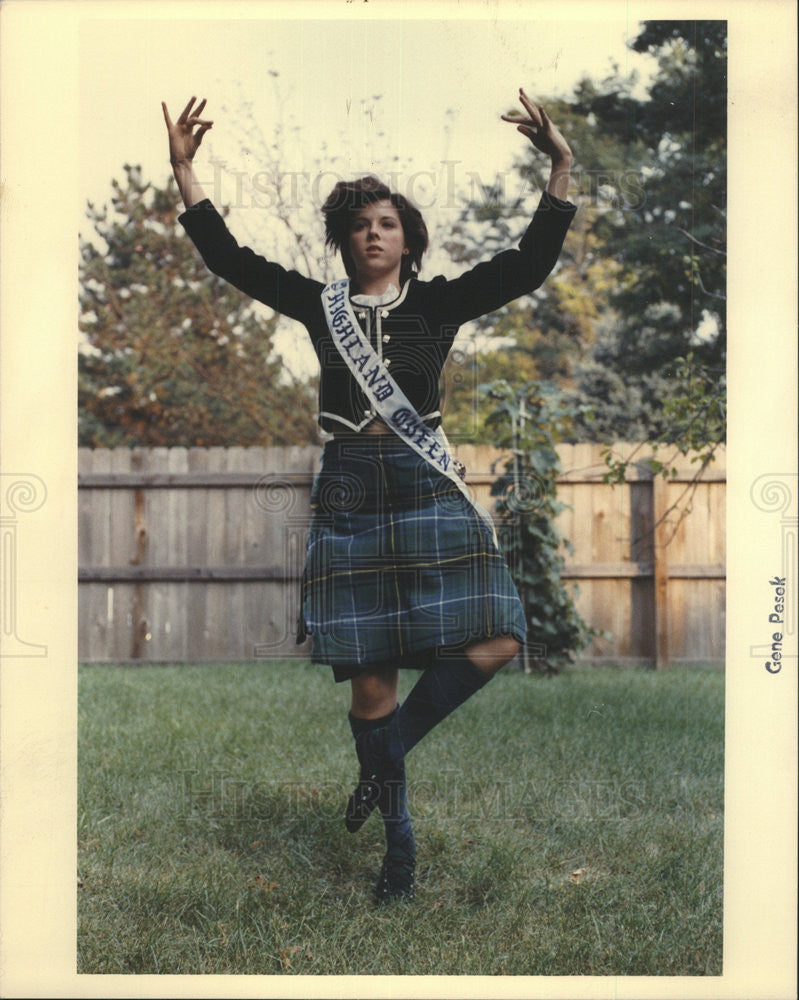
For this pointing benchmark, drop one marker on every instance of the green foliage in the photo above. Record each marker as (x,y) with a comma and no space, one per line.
(665,225)
(640,284)
(466,410)
(695,427)
(172,354)
(530,420)
(696,411)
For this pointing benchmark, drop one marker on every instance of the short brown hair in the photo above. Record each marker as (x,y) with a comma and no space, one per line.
(349,197)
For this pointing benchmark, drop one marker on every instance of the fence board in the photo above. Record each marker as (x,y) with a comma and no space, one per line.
(216,597)
(234,553)
(263,534)
(223,530)
(123,550)
(94,528)
(197,529)
(177,597)
(152,624)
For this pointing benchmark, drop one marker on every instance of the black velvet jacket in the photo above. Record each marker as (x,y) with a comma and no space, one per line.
(413,333)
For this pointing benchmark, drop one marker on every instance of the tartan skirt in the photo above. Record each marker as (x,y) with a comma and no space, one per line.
(398,563)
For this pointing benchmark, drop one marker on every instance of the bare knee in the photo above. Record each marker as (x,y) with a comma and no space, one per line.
(489,655)
(374,693)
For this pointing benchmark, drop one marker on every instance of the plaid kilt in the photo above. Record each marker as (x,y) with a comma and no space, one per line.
(398,562)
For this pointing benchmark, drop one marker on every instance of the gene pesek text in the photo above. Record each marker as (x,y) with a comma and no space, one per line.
(777,617)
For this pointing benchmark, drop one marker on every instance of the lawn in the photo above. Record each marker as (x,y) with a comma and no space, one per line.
(565,826)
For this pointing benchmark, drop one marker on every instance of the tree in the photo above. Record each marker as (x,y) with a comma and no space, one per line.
(669,237)
(547,335)
(658,370)
(640,286)
(174,355)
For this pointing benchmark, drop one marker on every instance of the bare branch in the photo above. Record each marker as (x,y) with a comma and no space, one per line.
(715,295)
(699,243)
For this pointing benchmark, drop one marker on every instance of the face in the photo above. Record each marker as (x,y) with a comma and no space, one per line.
(377,241)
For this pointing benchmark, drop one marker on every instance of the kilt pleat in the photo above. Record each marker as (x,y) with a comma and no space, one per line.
(398,562)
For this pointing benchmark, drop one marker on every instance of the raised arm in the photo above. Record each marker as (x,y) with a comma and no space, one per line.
(288,292)
(185,136)
(545,136)
(513,273)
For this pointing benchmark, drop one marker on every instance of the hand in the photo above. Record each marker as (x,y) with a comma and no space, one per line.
(540,131)
(183,140)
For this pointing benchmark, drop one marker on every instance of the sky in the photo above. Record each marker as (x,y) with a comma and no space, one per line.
(416,101)
(411,77)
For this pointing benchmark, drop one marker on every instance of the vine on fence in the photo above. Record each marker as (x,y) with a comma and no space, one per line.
(697,426)
(529,420)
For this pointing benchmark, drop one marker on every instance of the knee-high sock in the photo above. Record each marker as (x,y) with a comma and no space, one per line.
(443,687)
(360,726)
(393,798)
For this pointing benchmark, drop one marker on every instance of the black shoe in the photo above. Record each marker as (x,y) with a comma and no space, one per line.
(397,874)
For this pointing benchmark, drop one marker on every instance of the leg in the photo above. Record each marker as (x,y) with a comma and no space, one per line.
(455,676)
(381,782)
(374,694)
(374,705)
(489,655)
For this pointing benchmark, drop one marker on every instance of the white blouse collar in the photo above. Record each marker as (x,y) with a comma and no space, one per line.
(376,300)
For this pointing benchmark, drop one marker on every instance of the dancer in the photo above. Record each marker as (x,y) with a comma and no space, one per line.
(402,567)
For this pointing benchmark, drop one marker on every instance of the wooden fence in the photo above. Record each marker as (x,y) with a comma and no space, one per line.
(196,554)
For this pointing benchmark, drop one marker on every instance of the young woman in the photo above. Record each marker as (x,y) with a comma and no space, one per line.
(402,569)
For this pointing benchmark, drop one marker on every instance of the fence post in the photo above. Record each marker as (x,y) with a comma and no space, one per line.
(661,570)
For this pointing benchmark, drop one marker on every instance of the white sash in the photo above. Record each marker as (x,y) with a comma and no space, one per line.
(393,406)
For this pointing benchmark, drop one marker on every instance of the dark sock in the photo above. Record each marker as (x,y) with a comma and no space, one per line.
(443,687)
(393,799)
(358,725)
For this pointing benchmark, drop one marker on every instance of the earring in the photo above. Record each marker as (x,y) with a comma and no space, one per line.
(406,250)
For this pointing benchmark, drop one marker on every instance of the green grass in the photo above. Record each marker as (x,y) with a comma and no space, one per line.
(211,838)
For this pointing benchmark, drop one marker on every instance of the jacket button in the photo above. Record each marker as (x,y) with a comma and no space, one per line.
(384,313)
(386,362)
(386,337)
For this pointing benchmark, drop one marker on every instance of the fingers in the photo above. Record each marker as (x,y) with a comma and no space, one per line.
(185,112)
(188,118)
(530,108)
(537,116)
(516,119)
(198,138)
